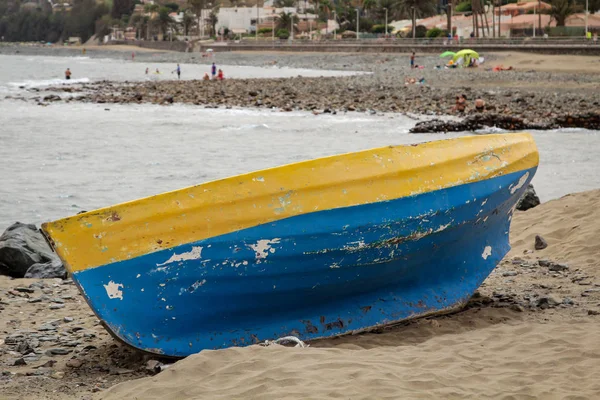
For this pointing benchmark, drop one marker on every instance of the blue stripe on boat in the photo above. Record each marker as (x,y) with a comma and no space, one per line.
(382,262)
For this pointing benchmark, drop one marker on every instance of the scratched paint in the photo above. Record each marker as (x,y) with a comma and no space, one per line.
(194,254)
(113,290)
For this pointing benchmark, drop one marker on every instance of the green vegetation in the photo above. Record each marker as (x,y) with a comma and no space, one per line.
(283,34)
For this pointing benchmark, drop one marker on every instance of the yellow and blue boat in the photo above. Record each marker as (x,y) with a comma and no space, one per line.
(314,249)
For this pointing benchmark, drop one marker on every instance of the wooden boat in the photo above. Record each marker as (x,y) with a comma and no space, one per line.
(314,249)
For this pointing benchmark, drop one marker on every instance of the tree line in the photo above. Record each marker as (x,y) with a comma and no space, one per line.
(22,20)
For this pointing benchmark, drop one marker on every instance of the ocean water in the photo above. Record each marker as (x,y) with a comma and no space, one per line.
(64,158)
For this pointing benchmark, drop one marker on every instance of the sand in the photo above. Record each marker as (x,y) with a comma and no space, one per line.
(530,333)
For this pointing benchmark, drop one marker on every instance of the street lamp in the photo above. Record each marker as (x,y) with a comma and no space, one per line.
(292,26)
(257,20)
(334,25)
(586,18)
(386,32)
(357,26)
(414,22)
(273,25)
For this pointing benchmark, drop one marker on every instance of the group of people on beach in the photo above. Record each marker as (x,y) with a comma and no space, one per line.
(217,74)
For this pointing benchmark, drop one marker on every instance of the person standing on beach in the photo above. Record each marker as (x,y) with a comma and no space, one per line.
(68,74)
(214,70)
(147,70)
(412,60)
(132,56)
(178,69)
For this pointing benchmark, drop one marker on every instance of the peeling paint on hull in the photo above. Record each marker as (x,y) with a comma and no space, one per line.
(392,262)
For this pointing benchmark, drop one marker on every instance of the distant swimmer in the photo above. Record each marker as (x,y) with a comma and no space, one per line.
(132,56)
(157,71)
(68,74)
(147,70)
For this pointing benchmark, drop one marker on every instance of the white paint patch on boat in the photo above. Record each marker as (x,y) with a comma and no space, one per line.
(193,254)
(113,290)
(486,252)
(334,265)
(443,227)
(483,203)
(519,185)
(258,179)
(262,248)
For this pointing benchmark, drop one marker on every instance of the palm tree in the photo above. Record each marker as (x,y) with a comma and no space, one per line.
(324,7)
(285,21)
(414,9)
(212,21)
(187,23)
(561,10)
(164,20)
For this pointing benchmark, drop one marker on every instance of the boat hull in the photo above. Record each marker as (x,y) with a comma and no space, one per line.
(315,249)
(311,276)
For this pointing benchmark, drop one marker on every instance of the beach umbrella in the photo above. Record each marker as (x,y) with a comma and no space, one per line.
(447,54)
(467,54)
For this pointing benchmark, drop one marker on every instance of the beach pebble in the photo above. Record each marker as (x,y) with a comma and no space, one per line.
(74,363)
(68,319)
(56,306)
(540,243)
(58,351)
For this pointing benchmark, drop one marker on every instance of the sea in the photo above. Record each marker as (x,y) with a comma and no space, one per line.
(58,160)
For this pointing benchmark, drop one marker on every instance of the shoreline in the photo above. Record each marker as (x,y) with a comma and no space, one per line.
(516,99)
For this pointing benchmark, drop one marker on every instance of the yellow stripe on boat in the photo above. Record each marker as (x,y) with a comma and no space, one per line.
(215,208)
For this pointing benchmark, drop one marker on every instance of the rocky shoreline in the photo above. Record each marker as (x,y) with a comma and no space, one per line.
(505,109)
(515,99)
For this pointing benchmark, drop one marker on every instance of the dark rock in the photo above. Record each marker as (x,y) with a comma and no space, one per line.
(24,290)
(556,267)
(22,247)
(74,363)
(19,361)
(548,301)
(540,243)
(529,199)
(57,352)
(593,312)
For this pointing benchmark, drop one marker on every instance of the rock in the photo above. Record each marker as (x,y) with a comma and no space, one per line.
(153,366)
(48,270)
(517,308)
(74,363)
(510,273)
(57,351)
(24,290)
(56,306)
(57,375)
(529,199)
(540,243)
(593,312)
(21,247)
(19,361)
(68,319)
(52,97)
(548,301)
(556,267)
(47,327)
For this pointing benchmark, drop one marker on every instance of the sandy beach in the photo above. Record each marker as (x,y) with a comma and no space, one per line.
(531,331)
